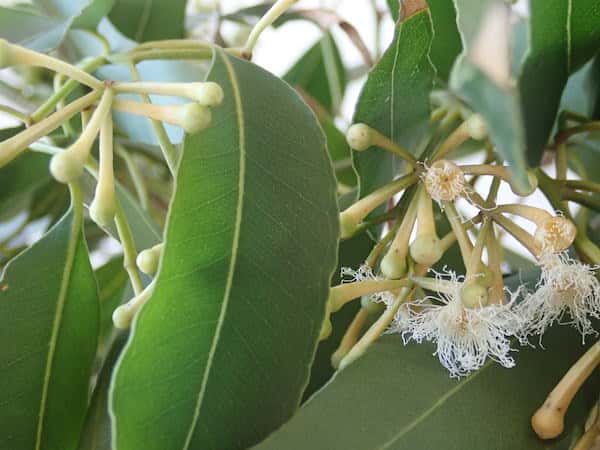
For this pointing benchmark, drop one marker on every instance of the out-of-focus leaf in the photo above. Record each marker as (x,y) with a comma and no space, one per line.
(85,13)
(485,83)
(112,283)
(150,20)
(395,97)
(446,44)
(321,74)
(19,182)
(250,246)
(32,30)
(49,332)
(96,433)
(582,92)
(399,397)
(394,6)
(351,253)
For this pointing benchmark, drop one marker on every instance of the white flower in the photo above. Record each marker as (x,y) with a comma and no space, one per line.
(465,337)
(365,273)
(565,286)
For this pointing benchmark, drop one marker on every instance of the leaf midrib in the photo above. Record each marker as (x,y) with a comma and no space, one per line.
(76,207)
(443,399)
(235,243)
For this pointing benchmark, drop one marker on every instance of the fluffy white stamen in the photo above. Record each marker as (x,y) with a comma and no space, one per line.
(444,181)
(465,337)
(565,286)
(365,273)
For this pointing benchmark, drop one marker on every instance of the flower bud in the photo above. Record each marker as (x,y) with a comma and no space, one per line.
(555,234)
(474,295)
(393,265)
(476,127)
(426,250)
(359,137)
(66,167)
(444,181)
(148,259)
(103,207)
(208,94)
(194,117)
(348,225)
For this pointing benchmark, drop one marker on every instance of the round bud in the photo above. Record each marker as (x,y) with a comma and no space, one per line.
(102,211)
(147,261)
(122,317)
(547,422)
(393,265)
(476,127)
(209,94)
(533,184)
(555,234)
(359,136)
(6,54)
(370,306)
(195,117)
(444,181)
(474,295)
(348,225)
(426,250)
(66,167)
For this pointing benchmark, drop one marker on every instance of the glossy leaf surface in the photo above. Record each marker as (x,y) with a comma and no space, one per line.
(232,326)
(49,334)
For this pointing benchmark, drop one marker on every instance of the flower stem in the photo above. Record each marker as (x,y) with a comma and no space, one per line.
(168,149)
(23,56)
(531,213)
(182,54)
(548,421)
(12,147)
(346,292)
(584,128)
(64,90)
(584,185)
(21,117)
(350,337)
(521,235)
(278,8)
(385,143)
(464,242)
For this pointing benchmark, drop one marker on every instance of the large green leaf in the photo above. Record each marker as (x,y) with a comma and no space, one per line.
(85,13)
(33,30)
(395,98)
(149,20)
(497,100)
(231,329)
(320,73)
(112,285)
(49,332)
(582,92)
(400,398)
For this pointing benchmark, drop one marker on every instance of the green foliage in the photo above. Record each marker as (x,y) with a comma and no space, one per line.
(50,332)
(230,349)
(234,299)
(406,402)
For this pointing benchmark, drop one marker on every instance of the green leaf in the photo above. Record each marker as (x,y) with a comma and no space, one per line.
(113,284)
(395,98)
(96,433)
(149,20)
(84,13)
(399,397)
(32,30)
(497,100)
(20,181)
(446,44)
(49,331)
(584,32)
(394,7)
(351,253)
(250,244)
(339,150)
(582,92)
(321,74)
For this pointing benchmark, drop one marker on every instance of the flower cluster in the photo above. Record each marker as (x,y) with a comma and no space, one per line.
(470,318)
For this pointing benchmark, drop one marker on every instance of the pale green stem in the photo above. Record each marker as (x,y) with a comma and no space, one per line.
(21,117)
(278,8)
(12,147)
(168,149)
(464,242)
(64,90)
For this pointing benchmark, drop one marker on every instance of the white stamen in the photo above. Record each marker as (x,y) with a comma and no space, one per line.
(365,273)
